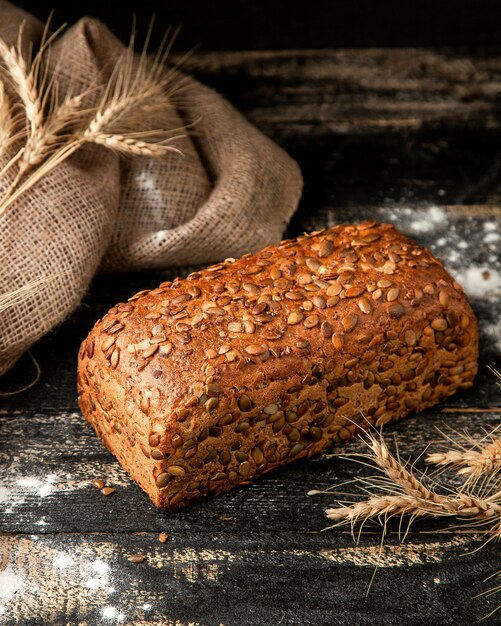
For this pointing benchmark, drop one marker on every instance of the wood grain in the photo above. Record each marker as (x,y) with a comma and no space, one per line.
(264,579)
(50,459)
(407,136)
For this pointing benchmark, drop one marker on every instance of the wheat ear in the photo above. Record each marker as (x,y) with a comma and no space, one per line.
(135,92)
(24,81)
(6,122)
(474,463)
(396,471)
(403,492)
(9,122)
(376,507)
(51,133)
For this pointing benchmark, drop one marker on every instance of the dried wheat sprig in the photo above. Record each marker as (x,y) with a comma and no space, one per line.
(132,89)
(376,507)
(437,505)
(474,463)
(136,90)
(52,133)
(29,80)
(402,492)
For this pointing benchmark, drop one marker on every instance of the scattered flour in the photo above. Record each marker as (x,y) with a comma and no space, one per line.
(492,237)
(415,220)
(494,333)
(10,583)
(100,576)
(84,571)
(149,188)
(479,281)
(429,220)
(110,613)
(449,240)
(490,226)
(62,561)
(38,486)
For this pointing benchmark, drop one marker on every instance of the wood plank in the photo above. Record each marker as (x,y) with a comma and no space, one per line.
(270,578)
(50,459)
(372,90)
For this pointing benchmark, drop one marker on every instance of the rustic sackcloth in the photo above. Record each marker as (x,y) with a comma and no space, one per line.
(233,191)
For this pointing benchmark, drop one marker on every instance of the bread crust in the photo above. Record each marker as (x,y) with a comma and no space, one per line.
(210,381)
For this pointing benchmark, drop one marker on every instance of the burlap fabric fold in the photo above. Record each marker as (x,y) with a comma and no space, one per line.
(233,191)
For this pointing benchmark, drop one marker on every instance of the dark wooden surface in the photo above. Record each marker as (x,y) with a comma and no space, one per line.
(292,24)
(412,137)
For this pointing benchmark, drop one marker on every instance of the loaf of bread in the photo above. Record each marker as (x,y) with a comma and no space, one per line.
(210,381)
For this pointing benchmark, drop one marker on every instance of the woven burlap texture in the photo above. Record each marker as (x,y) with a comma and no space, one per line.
(232,191)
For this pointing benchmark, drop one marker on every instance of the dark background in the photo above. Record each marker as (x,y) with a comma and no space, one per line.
(289,24)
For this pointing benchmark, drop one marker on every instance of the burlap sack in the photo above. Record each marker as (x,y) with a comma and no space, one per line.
(57,233)
(232,192)
(169,215)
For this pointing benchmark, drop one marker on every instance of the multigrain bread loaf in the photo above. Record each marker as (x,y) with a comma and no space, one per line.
(210,381)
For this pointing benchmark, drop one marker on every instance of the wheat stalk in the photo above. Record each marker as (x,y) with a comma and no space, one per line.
(138,89)
(24,81)
(376,507)
(474,463)
(133,94)
(402,492)
(51,133)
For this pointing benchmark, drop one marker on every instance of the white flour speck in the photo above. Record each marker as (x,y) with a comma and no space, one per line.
(100,567)
(100,573)
(429,219)
(61,561)
(111,613)
(494,333)
(492,237)
(490,226)
(5,495)
(479,280)
(415,220)
(10,583)
(32,485)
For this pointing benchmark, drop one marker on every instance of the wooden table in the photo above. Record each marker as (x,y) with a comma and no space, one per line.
(407,136)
